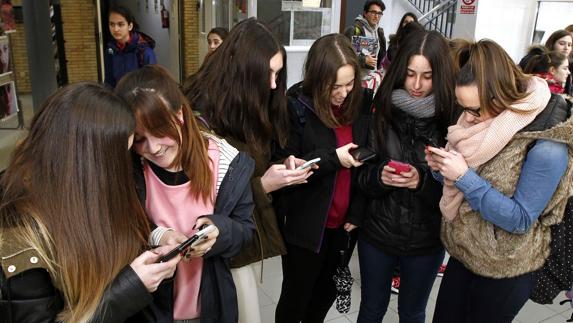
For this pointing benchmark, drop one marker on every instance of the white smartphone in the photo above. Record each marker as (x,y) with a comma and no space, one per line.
(308,164)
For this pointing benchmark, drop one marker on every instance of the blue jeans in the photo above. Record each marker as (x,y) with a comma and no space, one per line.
(417,275)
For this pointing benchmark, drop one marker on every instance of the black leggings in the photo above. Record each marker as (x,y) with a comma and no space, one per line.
(308,290)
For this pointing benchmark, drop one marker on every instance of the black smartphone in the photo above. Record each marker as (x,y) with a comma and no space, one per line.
(194,240)
(429,142)
(362,154)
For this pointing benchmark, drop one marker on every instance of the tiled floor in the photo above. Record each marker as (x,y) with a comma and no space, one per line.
(270,289)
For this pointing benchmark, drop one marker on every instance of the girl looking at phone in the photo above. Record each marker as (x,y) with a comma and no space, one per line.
(187,178)
(401,224)
(240,92)
(72,232)
(507,175)
(329,114)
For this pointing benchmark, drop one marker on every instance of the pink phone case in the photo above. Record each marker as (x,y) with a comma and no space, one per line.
(399,166)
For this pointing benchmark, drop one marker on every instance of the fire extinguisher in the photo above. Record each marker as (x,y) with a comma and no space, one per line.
(164,17)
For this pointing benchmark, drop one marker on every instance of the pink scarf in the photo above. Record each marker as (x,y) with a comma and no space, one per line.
(481,142)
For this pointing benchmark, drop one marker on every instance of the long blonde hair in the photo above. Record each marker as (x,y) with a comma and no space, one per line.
(69,193)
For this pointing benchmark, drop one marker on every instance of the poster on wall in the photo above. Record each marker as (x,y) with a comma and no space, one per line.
(468,7)
(4,55)
(8,102)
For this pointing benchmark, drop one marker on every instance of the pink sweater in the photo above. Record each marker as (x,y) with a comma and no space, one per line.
(174,207)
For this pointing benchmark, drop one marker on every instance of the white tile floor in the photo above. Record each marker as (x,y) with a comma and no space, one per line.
(270,289)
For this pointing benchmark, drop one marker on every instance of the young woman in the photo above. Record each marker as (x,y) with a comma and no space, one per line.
(559,41)
(215,38)
(506,171)
(329,115)
(553,67)
(129,50)
(240,91)
(188,178)
(402,222)
(407,18)
(72,233)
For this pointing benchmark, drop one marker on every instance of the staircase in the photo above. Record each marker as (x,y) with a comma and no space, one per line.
(438,15)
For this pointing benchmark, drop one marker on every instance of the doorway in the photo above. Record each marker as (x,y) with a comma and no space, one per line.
(147,13)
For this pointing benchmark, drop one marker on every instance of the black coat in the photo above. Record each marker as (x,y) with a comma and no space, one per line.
(402,221)
(233,217)
(303,208)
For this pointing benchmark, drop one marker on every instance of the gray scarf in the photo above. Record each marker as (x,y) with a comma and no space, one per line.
(417,108)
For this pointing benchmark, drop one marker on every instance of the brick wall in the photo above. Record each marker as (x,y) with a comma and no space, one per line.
(20,56)
(190,37)
(78,21)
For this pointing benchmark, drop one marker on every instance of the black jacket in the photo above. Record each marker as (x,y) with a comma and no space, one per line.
(303,208)
(30,296)
(233,217)
(402,221)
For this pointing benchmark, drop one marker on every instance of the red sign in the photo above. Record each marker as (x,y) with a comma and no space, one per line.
(468,7)
(468,2)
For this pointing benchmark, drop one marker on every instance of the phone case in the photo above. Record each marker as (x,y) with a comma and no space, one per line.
(399,166)
(362,154)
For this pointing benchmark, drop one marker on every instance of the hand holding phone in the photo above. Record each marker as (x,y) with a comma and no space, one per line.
(399,167)
(189,243)
(429,142)
(362,154)
(308,164)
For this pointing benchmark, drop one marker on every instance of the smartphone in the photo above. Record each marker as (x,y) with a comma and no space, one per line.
(362,154)
(429,142)
(191,242)
(308,164)
(399,166)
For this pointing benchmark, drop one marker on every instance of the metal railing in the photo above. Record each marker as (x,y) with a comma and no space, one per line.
(436,15)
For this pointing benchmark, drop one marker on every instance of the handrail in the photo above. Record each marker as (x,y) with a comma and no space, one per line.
(436,8)
(439,17)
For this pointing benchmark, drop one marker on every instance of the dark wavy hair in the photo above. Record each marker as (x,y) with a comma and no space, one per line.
(541,60)
(379,3)
(434,48)
(232,87)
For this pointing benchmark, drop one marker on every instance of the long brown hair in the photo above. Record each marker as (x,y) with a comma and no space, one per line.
(232,88)
(326,55)
(434,48)
(156,99)
(499,81)
(69,193)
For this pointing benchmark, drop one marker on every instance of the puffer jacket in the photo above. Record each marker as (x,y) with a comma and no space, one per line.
(401,221)
(136,53)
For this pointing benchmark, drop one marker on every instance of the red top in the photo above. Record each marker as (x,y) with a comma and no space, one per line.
(341,195)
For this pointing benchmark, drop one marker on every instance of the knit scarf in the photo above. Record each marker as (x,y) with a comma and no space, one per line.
(480,142)
(417,108)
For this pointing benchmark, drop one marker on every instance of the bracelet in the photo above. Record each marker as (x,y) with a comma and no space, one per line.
(460,176)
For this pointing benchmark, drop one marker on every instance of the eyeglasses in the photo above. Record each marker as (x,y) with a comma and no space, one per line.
(377,13)
(474,112)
